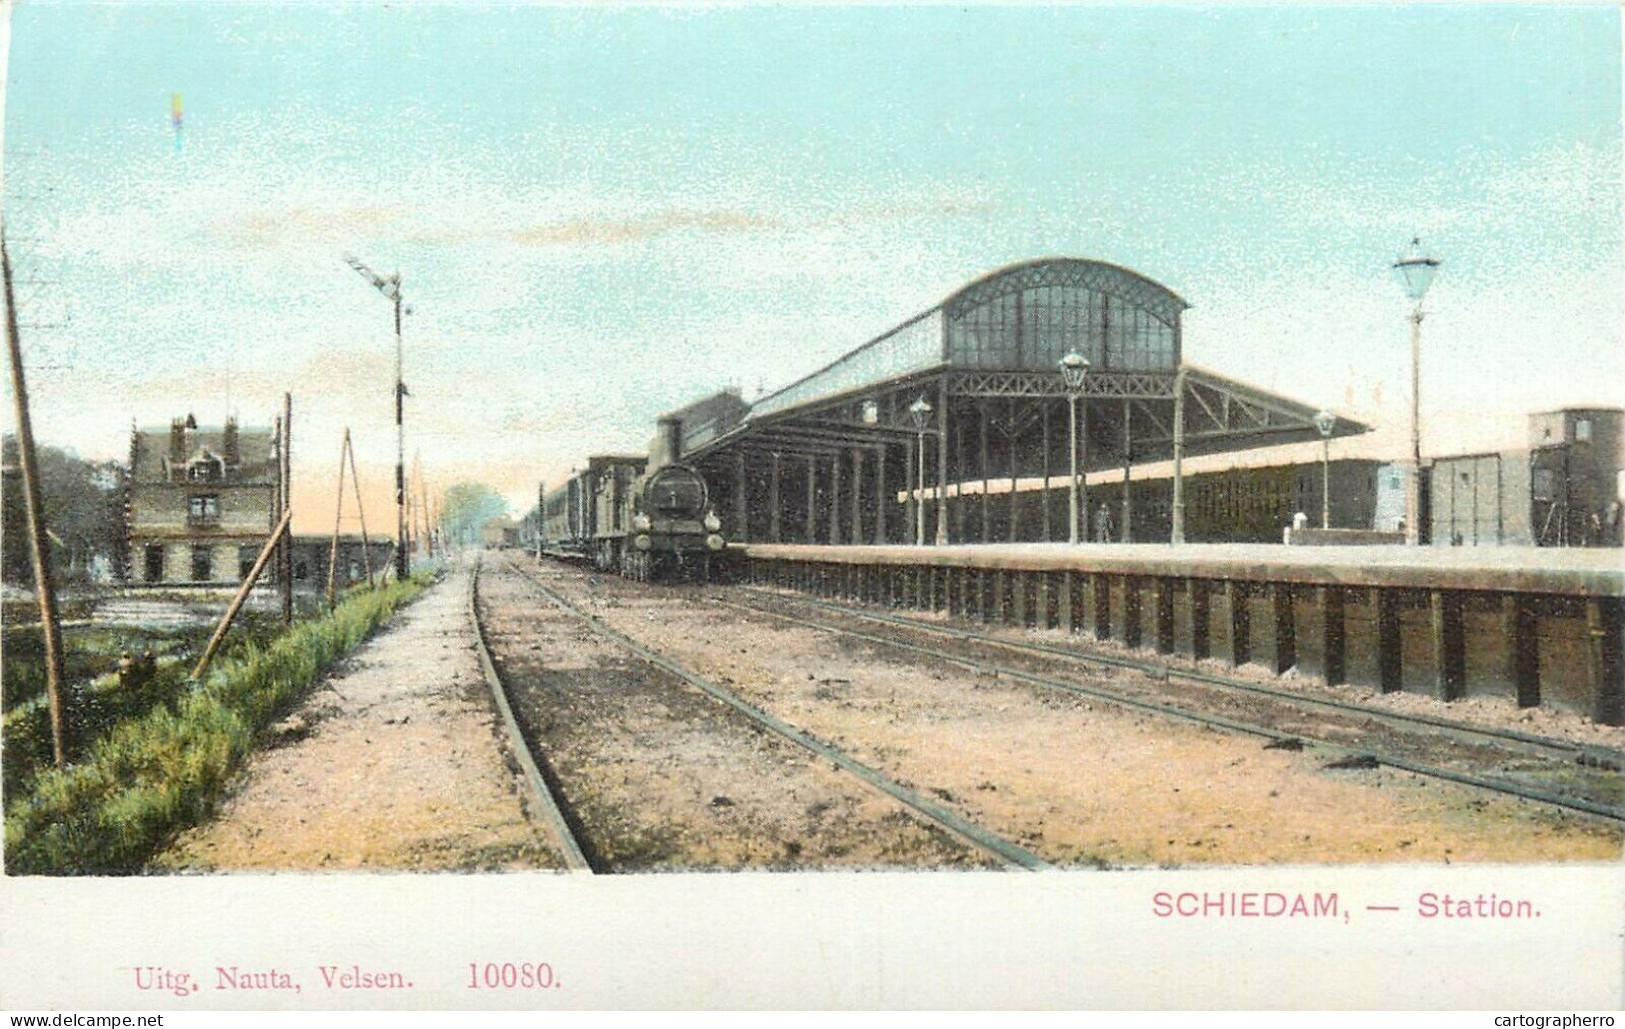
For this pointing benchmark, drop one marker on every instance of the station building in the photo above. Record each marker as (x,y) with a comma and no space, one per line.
(928,432)
(202,501)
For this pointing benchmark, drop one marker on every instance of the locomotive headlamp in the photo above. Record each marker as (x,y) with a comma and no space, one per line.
(712,522)
(641,522)
(714,542)
(641,541)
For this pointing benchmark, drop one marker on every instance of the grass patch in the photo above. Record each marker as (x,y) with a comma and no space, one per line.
(153,775)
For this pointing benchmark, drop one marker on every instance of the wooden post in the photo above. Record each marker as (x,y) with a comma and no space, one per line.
(286,456)
(338,520)
(271,547)
(40,547)
(361,513)
(1201,618)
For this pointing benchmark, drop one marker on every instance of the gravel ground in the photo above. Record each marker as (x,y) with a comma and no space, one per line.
(661,777)
(1082,781)
(395,762)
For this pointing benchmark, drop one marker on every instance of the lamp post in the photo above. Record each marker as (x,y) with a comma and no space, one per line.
(1417,271)
(391,288)
(1074,366)
(919,411)
(1325,421)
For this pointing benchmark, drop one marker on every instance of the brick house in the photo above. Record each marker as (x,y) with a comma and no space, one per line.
(201,502)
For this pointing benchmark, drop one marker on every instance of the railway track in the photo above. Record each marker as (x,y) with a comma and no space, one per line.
(961,828)
(1594,789)
(565,824)
(543,786)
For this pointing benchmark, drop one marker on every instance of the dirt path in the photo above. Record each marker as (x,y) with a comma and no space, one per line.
(394,762)
(1083,781)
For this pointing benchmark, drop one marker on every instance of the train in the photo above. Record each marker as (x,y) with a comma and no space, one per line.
(646,517)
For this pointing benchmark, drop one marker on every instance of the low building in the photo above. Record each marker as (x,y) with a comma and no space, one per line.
(201,502)
(311,555)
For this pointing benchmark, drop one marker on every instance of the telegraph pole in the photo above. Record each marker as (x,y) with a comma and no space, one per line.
(285,488)
(44,588)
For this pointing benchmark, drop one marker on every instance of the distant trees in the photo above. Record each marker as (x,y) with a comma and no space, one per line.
(84,510)
(466,508)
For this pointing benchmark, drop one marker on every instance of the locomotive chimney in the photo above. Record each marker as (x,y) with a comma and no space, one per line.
(671,438)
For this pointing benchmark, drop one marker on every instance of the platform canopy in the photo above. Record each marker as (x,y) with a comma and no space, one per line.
(986,363)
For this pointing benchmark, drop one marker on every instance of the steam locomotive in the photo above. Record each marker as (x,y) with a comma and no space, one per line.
(644,517)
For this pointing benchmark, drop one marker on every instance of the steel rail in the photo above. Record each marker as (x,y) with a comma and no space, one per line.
(975,835)
(1613,814)
(1587,754)
(575,860)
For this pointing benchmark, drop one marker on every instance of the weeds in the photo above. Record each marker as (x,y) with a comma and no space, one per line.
(150,776)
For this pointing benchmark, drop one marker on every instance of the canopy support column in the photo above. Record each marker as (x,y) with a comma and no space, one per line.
(835,498)
(882,502)
(774,523)
(857,495)
(741,507)
(987,501)
(812,499)
(1178,534)
(1128,463)
(1045,492)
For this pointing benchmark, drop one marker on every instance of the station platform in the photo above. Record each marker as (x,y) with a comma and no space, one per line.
(1570,571)
(1532,625)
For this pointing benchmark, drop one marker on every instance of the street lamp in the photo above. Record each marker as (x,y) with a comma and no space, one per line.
(919,411)
(1074,366)
(391,288)
(1417,271)
(1325,421)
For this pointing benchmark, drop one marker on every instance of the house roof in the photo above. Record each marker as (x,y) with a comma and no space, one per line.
(256,447)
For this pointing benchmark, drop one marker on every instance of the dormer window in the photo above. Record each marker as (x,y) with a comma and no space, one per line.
(206,467)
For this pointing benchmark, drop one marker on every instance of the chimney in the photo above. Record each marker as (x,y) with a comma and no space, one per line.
(671,438)
(177,440)
(230,444)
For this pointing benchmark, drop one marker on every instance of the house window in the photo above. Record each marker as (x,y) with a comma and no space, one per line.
(1582,430)
(154,557)
(202,509)
(245,561)
(202,564)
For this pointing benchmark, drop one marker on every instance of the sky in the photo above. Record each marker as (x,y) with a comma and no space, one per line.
(603,214)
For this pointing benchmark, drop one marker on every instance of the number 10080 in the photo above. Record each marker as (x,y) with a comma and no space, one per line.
(510,975)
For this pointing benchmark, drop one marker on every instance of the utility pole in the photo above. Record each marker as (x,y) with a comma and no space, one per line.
(541,517)
(285,488)
(391,289)
(44,588)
